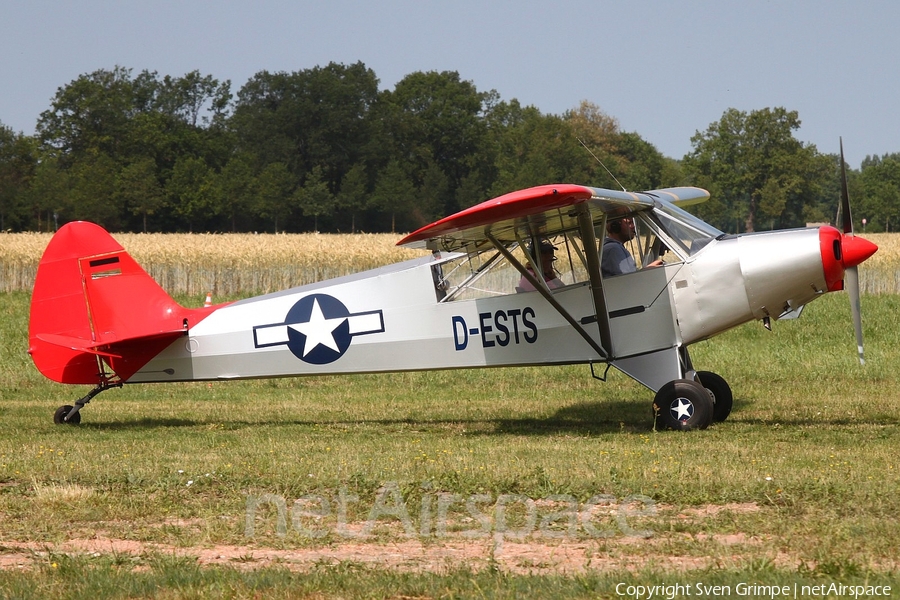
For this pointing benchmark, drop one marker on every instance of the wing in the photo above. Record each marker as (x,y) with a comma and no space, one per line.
(538,211)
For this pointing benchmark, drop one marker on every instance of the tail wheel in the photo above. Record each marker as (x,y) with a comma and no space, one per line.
(723,400)
(59,417)
(683,405)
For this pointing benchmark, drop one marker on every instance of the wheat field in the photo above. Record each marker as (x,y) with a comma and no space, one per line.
(223,264)
(240,264)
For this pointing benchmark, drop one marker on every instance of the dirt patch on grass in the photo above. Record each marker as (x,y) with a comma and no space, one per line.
(565,557)
(15,558)
(669,548)
(537,553)
(711,510)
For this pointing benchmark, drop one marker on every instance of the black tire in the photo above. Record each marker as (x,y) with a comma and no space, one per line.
(723,399)
(59,417)
(683,405)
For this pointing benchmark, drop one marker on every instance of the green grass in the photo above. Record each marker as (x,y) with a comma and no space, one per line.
(167,577)
(799,485)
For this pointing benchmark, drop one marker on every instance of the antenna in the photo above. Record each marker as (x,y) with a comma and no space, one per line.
(601,164)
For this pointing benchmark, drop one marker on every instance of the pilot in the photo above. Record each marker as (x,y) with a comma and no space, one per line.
(617,260)
(548,257)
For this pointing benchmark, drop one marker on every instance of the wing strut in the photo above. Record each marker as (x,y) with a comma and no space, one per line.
(541,287)
(589,240)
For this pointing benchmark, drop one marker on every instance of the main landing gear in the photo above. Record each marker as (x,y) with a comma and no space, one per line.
(686,404)
(71,415)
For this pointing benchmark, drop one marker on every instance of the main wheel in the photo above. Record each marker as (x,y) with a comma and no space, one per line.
(59,417)
(723,399)
(683,405)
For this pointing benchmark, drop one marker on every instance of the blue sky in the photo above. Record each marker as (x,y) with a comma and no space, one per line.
(664,69)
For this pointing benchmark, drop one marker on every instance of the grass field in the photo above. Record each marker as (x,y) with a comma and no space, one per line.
(537,482)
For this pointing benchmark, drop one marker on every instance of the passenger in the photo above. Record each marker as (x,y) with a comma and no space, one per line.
(617,260)
(548,257)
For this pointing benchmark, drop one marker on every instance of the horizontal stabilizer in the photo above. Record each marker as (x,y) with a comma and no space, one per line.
(82,345)
(73,343)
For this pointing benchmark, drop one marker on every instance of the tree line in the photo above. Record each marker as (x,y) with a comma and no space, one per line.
(324,149)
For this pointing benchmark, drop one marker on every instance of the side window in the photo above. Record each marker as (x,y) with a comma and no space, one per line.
(633,243)
(478,274)
(568,264)
(652,250)
(486,272)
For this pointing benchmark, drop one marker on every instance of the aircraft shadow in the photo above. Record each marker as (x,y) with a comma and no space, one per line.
(144,423)
(584,418)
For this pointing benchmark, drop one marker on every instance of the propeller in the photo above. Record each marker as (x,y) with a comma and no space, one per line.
(851,271)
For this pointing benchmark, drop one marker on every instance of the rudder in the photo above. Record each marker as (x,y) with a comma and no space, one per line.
(93,304)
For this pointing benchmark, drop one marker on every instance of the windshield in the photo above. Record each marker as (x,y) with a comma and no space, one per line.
(688,231)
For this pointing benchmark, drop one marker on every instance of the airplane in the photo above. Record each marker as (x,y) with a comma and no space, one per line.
(482,298)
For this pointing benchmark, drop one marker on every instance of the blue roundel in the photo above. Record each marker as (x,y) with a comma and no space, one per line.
(318,329)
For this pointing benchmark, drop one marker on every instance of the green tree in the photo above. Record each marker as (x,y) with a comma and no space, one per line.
(601,136)
(191,191)
(139,189)
(615,158)
(273,192)
(313,197)
(394,192)
(672,173)
(48,194)
(534,149)
(880,201)
(185,98)
(234,187)
(469,193)
(89,115)
(18,159)
(436,120)
(92,192)
(318,116)
(645,168)
(133,120)
(761,174)
(432,197)
(352,197)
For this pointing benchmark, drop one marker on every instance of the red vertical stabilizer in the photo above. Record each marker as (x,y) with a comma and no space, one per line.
(92,303)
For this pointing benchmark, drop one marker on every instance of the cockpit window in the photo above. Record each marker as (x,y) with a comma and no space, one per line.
(663,234)
(488,273)
(685,229)
(649,246)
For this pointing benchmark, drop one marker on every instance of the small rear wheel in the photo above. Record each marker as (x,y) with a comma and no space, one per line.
(683,405)
(59,417)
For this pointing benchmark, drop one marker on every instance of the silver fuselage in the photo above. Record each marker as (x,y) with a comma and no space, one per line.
(392,319)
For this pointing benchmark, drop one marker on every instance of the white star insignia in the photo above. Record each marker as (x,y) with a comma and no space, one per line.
(683,409)
(318,330)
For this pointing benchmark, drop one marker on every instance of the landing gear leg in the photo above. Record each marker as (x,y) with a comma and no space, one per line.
(71,414)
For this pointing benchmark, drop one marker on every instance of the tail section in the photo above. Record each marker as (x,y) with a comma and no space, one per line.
(95,310)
